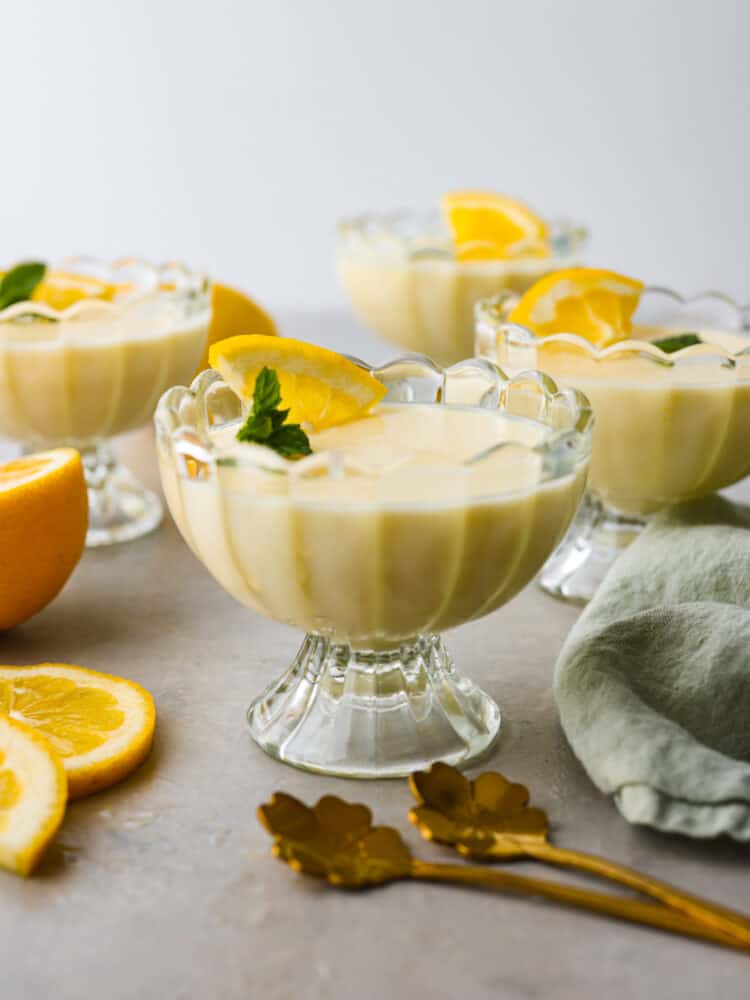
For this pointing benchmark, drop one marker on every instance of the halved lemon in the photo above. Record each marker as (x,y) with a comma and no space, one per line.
(320,387)
(33,792)
(590,302)
(100,726)
(488,226)
(43,521)
(233,313)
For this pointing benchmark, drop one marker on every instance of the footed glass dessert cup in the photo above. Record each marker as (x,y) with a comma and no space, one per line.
(406,283)
(79,375)
(432,511)
(670,426)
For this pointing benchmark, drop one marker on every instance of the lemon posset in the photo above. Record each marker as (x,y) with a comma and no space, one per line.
(669,383)
(85,352)
(414,279)
(429,498)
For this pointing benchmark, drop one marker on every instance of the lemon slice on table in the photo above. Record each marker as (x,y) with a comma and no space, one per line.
(43,521)
(33,792)
(587,301)
(319,387)
(234,313)
(487,226)
(100,726)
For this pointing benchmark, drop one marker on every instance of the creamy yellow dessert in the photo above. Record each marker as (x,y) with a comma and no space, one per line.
(415,280)
(664,433)
(388,530)
(372,509)
(85,353)
(97,366)
(671,396)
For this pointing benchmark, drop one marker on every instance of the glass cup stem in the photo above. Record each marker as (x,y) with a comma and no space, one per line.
(597,536)
(120,509)
(373,714)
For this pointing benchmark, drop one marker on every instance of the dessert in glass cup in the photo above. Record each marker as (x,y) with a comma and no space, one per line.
(86,350)
(424,498)
(414,277)
(669,382)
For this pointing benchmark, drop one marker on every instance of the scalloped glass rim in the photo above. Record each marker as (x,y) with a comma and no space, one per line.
(421,235)
(490,316)
(561,450)
(192,288)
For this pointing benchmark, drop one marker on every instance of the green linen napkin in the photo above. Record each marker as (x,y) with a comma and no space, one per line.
(653,682)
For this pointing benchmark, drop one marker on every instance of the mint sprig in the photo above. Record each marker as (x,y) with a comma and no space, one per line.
(676,343)
(265,423)
(18,284)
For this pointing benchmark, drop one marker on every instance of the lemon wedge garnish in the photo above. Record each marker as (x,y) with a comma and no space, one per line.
(100,726)
(33,792)
(61,289)
(487,226)
(587,301)
(319,387)
(43,521)
(234,313)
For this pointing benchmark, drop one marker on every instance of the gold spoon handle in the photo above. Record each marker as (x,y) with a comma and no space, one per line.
(613,906)
(711,914)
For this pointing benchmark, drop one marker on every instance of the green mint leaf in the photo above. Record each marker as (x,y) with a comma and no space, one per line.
(290,441)
(676,343)
(265,422)
(19,283)
(277,418)
(257,427)
(267,391)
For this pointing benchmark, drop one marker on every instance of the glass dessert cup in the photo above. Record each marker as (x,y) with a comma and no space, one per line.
(669,426)
(373,552)
(81,375)
(404,282)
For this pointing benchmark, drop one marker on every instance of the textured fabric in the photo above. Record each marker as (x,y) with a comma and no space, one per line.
(653,682)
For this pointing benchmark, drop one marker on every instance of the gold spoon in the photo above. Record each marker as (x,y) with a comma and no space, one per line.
(490,819)
(335,840)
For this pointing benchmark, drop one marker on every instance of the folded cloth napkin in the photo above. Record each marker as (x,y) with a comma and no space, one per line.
(653,682)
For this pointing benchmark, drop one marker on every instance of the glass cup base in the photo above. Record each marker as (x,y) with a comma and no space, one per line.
(595,539)
(373,714)
(120,509)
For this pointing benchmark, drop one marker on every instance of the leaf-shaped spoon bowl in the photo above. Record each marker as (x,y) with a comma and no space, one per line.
(336,840)
(490,819)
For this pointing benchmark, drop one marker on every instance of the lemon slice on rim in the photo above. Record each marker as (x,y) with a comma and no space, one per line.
(587,301)
(61,289)
(487,226)
(100,726)
(33,792)
(319,387)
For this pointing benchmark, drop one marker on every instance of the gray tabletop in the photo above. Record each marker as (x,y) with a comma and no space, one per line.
(164,886)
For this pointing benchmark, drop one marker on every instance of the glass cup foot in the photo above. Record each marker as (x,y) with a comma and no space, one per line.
(367,714)
(594,540)
(120,509)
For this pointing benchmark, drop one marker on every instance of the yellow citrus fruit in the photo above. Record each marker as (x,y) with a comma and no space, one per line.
(33,793)
(100,726)
(488,226)
(320,387)
(234,313)
(61,289)
(43,521)
(590,302)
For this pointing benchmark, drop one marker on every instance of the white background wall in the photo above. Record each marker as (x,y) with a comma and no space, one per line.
(232,134)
